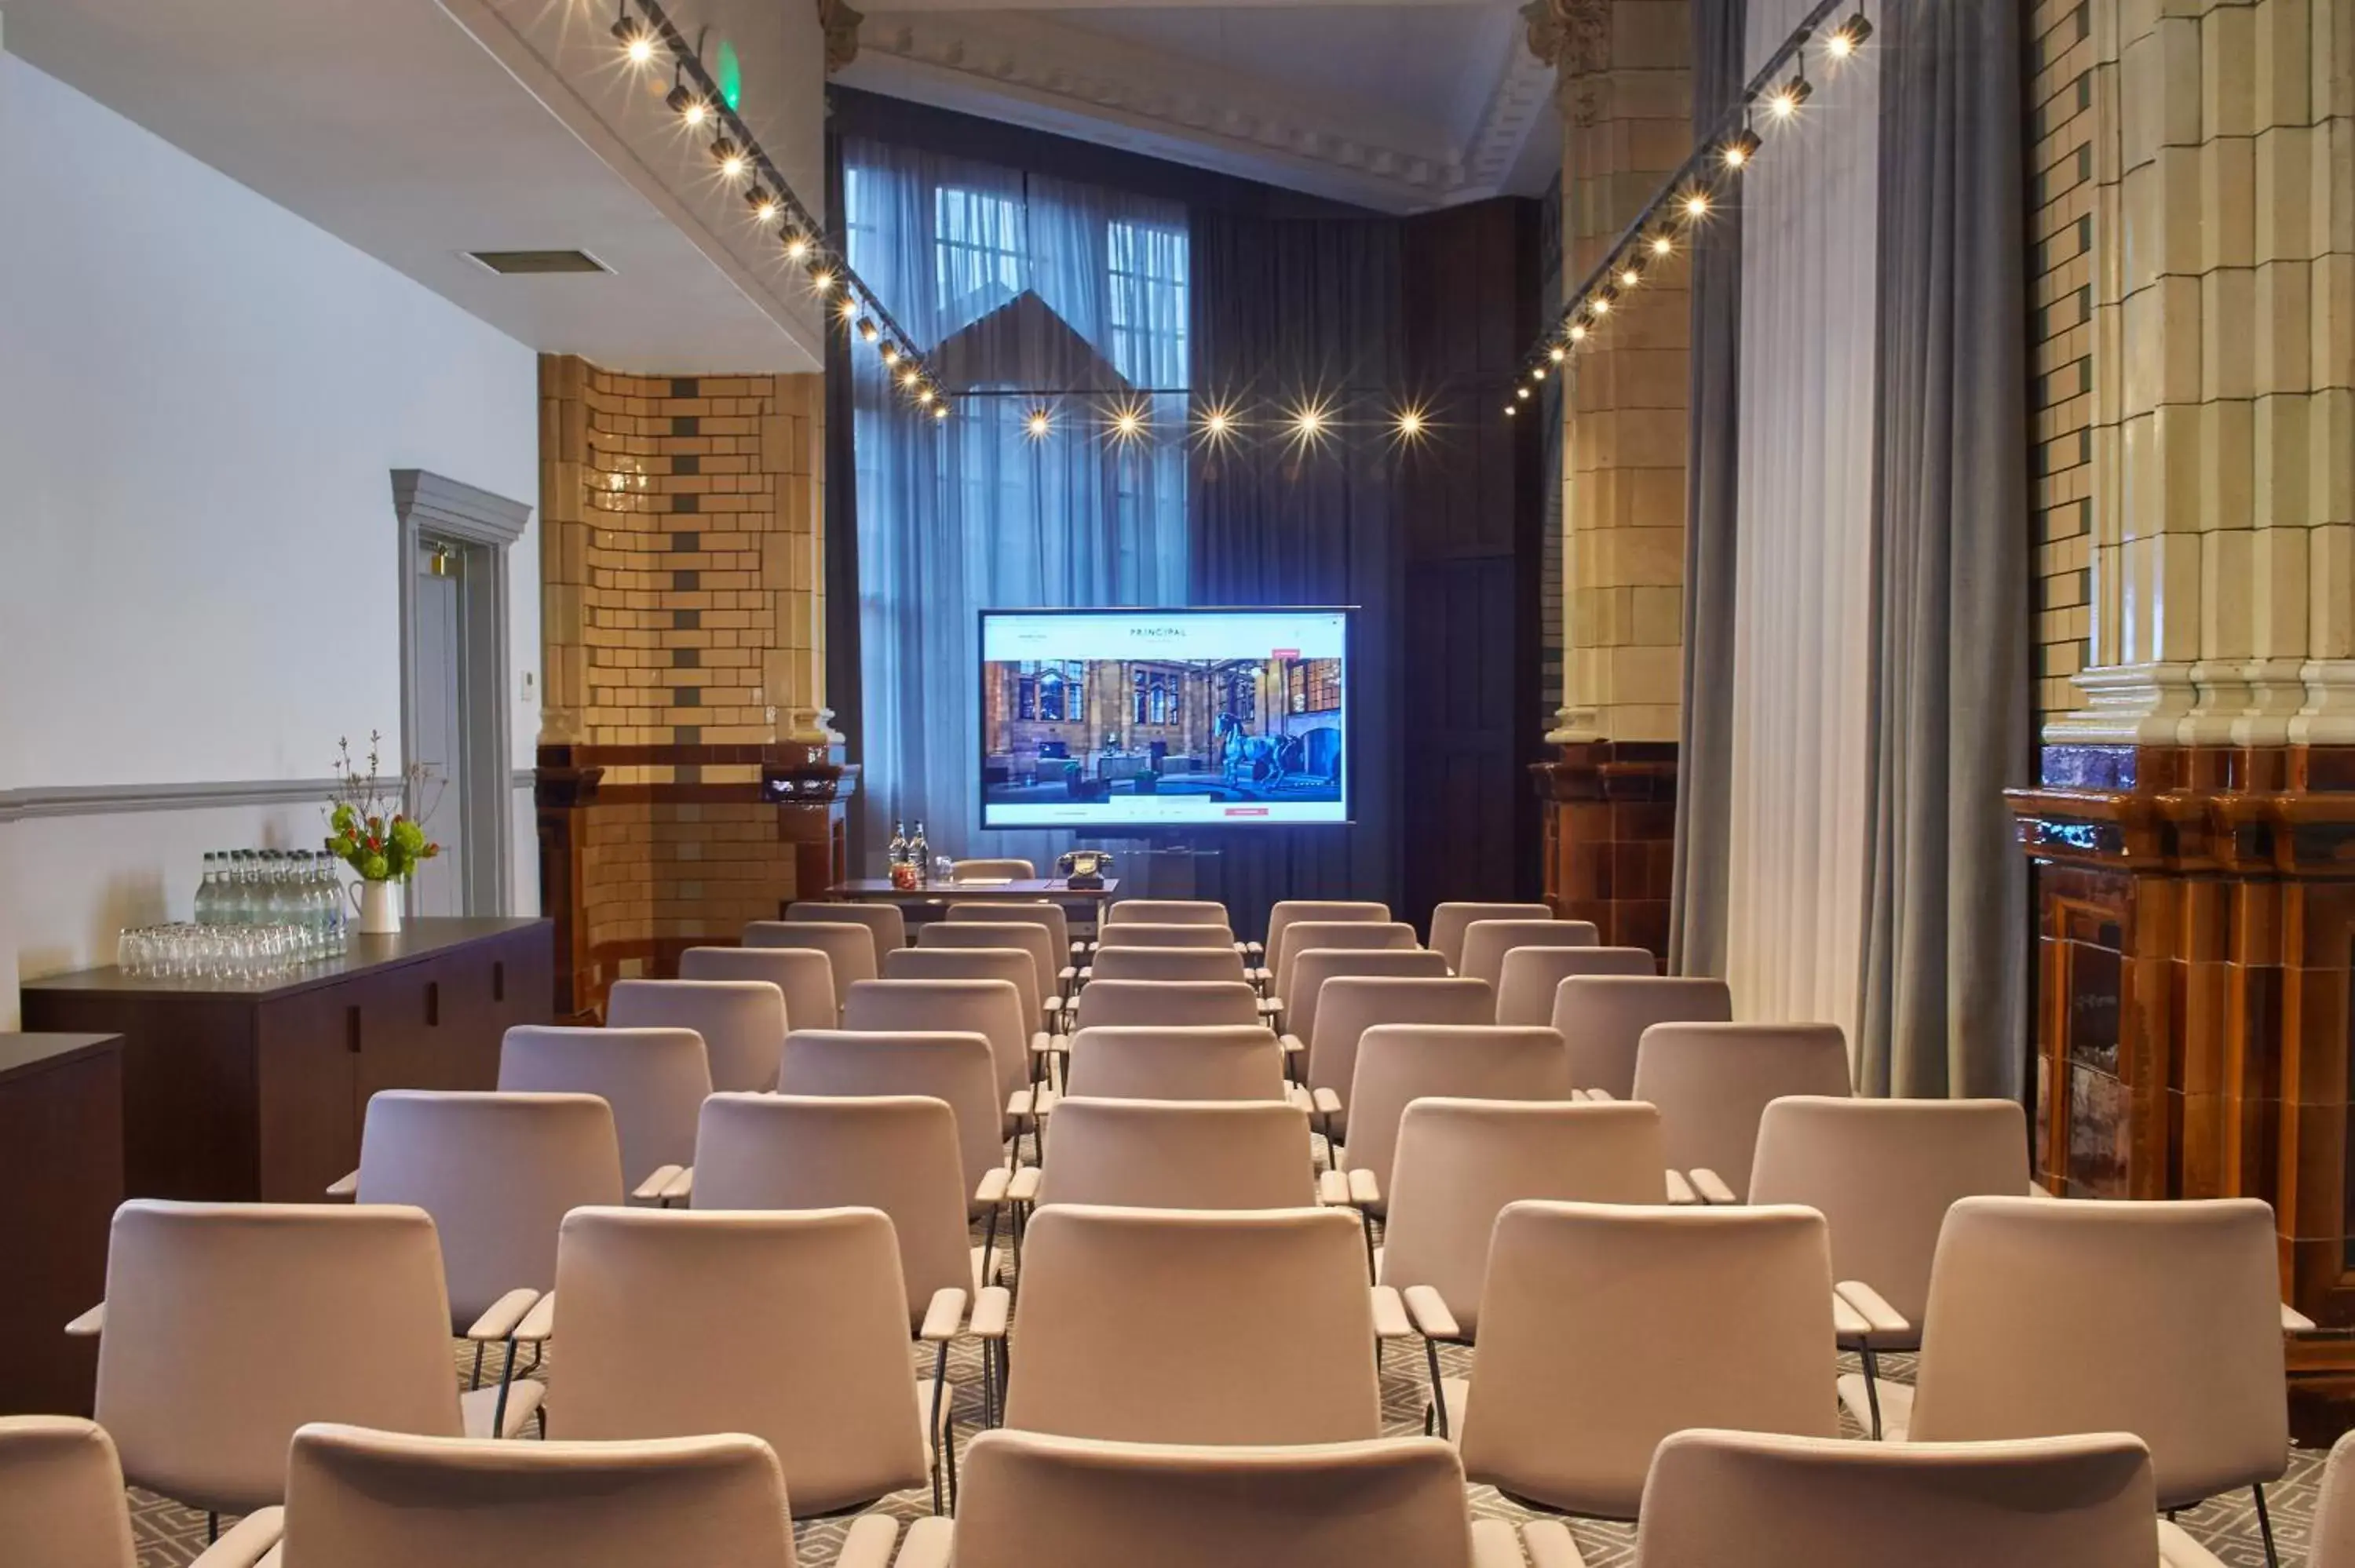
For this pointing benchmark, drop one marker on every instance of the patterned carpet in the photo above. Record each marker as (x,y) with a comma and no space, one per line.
(169,1536)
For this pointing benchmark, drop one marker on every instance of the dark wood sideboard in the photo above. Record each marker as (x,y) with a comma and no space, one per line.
(61,1163)
(256,1090)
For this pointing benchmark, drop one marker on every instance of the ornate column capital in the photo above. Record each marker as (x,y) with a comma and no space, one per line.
(840,19)
(1575,38)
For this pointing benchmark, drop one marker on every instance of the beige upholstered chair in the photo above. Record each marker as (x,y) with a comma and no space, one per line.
(1449,921)
(1603,1018)
(2333,1539)
(849,948)
(655,1080)
(497,1172)
(1162,1326)
(226,1325)
(1399,1064)
(1313,968)
(61,1495)
(2173,1332)
(1290,911)
(743,1023)
(1308,935)
(1713,1081)
(1233,1062)
(1531,976)
(1031,1500)
(1032,937)
(993,871)
(1720,1497)
(1461,1161)
(1168,912)
(1349,1005)
(1038,913)
(886,920)
(977,961)
(1605,1328)
(357,1499)
(1119,963)
(1182,934)
(1180,1154)
(954,1068)
(989,1008)
(1166,1004)
(1485,943)
(790,1327)
(805,975)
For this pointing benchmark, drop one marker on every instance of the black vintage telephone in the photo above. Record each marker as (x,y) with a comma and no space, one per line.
(1084,868)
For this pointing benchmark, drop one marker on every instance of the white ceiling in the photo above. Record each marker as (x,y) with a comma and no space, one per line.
(388,125)
(1401,106)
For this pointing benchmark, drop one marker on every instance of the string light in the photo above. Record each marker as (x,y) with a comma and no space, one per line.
(1557,352)
(925,395)
(1578,331)
(1848,37)
(1537,372)
(1039,424)
(849,309)
(1128,422)
(1512,410)
(766,208)
(1521,393)
(797,245)
(1630,275)
(1602,302)
(1662,245)
(1790,95)
(691,107)
(909,377)
(822,280)
(1410,422)
(866,332)
(891,352)
(1697,205)
(1741,147)
(637,37)
(940,412)
(1219,424)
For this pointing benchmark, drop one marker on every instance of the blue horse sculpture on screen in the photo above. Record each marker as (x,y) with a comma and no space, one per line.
(1258,760)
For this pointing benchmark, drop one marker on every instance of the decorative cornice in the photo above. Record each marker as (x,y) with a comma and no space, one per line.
(840,19)
(1574,37)
(464,511)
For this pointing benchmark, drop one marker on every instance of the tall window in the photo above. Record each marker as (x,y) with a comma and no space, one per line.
(978,251)
(1147,263)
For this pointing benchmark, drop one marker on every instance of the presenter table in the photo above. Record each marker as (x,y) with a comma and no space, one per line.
(933,899)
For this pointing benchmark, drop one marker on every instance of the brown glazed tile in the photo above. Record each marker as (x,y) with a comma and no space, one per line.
(2202,1042)
(2256,1024)
(2203,910)
(2251,1147)
(2256,923)
(2196,1125)
(2323,770)
(2318,925)
(2312,1202)
(2316,1036)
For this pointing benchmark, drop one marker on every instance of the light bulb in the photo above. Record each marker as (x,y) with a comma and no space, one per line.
(1740,147)
(1578,331)
(1513,412)
(696,113)
(1662,245)
(849,308)
(1217,424)
(925,396)
(732,168)
(910,376)
(822,280)
(940,412)
(890,352)
(867,333)
(797,245)
(1409,423)
(1522,392)
(1127,424)
(1629,277)
(1039,424)
(1557,354)
(1695,206)
(1601,305)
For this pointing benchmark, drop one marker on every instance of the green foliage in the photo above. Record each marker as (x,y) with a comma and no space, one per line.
(367,830)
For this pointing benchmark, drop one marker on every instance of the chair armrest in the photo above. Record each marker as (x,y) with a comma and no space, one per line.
(1364,1190)
(1087,972)
(1550,1546)
(347,1185)
(1848,1323)
(90,1325)
(1680,1190)
(539,1324)
(681,1187)
(1081,945)
(1596,1096)
(1042,1042)
(1430,1314)
(868,1541)
(1333,1188)
(991,1311)
(1244,948)
(247,1541)
(1872,1307)
(499,1319)
(1326,1100)
(1023,1187)
(943,1316)
(1391,1321)
(1050,1004)
(2295,1321)
(1253,947)
(1067,974)
(993,1185)
(651,1189)
(1711,1186)
(927,1543)
(1038,1100)
(1494,1544)
(1293,1044)
(1299,1098)
(1270,1005)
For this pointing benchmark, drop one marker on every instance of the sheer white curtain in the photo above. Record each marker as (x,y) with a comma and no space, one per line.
(1803,596)
(978,513)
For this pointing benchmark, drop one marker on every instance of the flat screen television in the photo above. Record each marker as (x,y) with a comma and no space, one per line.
(1164,718)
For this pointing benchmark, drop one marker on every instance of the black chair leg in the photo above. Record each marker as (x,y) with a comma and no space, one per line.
(476,1382)
(2265,1528)
(1871,1386)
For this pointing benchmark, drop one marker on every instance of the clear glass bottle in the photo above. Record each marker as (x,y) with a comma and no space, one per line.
(208,888)
(919,856)
(237,889)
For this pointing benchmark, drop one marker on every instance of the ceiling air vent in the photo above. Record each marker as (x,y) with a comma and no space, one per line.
(534,263)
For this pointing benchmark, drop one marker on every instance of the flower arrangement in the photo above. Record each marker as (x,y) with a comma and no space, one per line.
(369,830)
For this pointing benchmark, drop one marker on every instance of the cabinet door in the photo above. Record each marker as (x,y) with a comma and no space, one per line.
(307,1049)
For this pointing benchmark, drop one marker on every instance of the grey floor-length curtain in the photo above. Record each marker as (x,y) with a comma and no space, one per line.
(1705,742)
(1941,1011)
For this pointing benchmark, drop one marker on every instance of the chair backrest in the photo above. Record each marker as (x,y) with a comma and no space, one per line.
(1604,1329)
(1766,1501)
(974,961)
(1486,942)
(989,1008)
(1713,1081)
(359,1499)
(1399,1064)
(1037,912)
(1003,870)
(1603,1018)
(1116,1344)
(1168,912)
(655,1079)
(1029,936)
(805,975)
(1029,1500)
(1139,933)
(1448,922)
(886,920)
(230,1325)
(790,1327)
(2172,1332)
(2332,1539)
(61,1495)
(498,1173)
(1180,1154)
(1349,1006)
(1307,935)
(1531,976)
(1166,1004)
(1229,1062)
(1884,1173)
(1460,1162)
(1288,911)
(1313,969)
(743,1023)
(849,948)
(894,1152)
(955,1068)
(1221,963)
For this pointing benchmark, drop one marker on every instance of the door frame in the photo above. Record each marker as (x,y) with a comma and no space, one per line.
(481,525)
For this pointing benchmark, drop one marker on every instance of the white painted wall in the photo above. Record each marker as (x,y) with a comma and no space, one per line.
(202,397)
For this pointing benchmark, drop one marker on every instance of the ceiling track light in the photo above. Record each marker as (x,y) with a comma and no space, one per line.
(1662,244)
(1557,352)
(891,352)
(1039,424)
(1741,147)
(689,105)
(866,332)
(1631,272)
(637,37)
(797,245)
(1409,423)
(1848,37)
(1695,206)
(940,411)
(1786,99)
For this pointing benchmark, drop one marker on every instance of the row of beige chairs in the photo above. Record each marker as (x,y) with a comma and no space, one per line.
(361,1499)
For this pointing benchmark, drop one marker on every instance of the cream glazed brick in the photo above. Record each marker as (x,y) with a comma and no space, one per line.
(2284,462)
